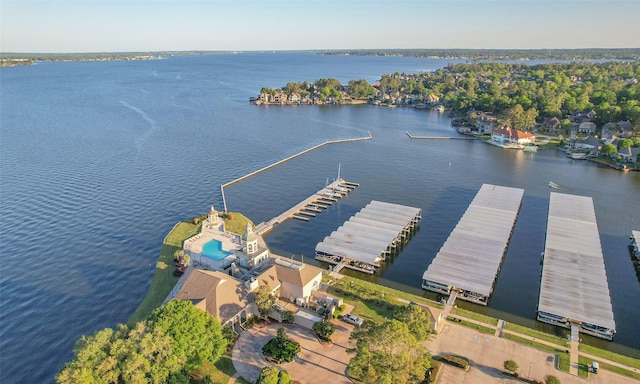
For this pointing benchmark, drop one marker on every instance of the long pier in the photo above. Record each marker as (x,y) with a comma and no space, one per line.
(300,210)
(223,186)
(440,137)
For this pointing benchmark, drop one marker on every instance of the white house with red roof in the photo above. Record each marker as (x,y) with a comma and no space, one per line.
(512,137)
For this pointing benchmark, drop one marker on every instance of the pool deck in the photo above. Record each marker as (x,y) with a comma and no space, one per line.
(229,241)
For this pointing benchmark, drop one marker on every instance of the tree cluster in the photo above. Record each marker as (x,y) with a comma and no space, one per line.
(326,88)
(271,375)
(611,89)
(176,339)
(388,353)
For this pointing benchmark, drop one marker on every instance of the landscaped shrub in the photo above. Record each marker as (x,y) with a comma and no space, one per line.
(511,366)
(281,349)
(458,361)
(288,316)
(550,379)
(284,377)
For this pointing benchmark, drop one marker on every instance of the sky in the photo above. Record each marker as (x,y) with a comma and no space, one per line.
(242,25)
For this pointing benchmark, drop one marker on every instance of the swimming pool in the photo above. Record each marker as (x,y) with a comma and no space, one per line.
(212,249)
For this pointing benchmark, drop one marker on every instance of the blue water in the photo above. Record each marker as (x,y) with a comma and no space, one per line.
(99,160)
(212,249)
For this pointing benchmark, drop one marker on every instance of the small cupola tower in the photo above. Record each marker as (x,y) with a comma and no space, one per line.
(250,241)
(213,216)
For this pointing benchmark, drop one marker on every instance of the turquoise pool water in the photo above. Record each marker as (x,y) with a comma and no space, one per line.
(212,249)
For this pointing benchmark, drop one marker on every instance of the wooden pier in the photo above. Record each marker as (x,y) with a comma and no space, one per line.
(315,203)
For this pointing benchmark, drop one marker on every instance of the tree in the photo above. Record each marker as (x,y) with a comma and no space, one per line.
(550,379)
(608,149)
(264,300)
(626,143)
(511,366)
(417,319)
(324,329)
(284,377)
(388,353)
(288,316)
(129,355)
(268,375)
(197,336)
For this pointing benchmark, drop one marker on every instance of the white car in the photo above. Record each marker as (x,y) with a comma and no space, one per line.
(351,319)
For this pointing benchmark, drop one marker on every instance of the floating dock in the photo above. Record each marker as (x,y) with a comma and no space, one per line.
(363,241)
(574,287)
(470,259)
(311,206)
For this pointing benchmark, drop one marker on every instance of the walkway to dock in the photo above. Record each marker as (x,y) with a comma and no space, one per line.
(223,186)
(440,137)
(323,198)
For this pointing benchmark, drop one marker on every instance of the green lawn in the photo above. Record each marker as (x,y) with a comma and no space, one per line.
(372,301)
(475,316)
(163,280)
(622,359)
(236,222)
(475,326)
(220,372)
(537,334)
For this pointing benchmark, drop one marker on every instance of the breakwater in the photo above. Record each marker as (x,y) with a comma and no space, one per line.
(248,175)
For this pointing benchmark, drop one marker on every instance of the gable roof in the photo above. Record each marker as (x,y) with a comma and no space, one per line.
(514,133)
(269,278)
(296,273)
(217,293)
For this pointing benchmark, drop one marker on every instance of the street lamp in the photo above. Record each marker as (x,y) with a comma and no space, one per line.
(529,375)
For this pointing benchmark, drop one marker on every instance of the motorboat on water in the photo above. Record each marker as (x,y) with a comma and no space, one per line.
(553,185)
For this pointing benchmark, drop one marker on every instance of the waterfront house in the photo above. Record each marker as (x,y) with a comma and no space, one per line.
(512,136)
(628,155)
(590,143)
(431,100)
(218,294)
(552,125)
(294,98)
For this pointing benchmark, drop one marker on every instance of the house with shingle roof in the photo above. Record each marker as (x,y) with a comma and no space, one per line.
(297,279)
(219,294)
(231,301)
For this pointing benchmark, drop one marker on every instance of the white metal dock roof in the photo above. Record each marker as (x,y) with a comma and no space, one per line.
(471,256)
(574,281)
(368,234)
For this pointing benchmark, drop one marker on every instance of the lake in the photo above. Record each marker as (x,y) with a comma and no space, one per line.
(100,159)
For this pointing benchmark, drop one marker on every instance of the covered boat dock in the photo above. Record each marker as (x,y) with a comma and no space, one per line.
(363,242)
(574,287)
(470,259)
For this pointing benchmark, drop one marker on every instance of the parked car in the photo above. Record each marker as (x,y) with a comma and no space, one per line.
(351,319)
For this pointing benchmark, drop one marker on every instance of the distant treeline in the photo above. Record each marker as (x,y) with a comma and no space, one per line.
(502,54)
(11,58)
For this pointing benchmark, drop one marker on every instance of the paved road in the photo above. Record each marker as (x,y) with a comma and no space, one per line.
(317,364)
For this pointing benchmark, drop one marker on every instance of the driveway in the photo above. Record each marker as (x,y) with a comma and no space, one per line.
(317,363)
